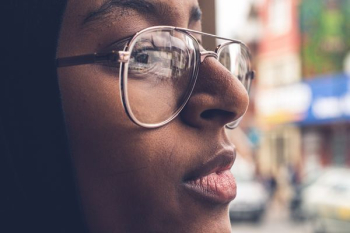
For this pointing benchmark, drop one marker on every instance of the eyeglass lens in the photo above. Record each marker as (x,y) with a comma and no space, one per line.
(160,74)
(236,59)
(162,70)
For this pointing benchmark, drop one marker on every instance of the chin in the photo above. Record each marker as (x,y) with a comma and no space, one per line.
(208,220)
(216,221)
(215,226)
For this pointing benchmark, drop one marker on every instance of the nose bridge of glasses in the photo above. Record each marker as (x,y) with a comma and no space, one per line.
(205,54)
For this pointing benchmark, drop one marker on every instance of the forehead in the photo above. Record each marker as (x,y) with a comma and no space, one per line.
(93,25)
(167,12)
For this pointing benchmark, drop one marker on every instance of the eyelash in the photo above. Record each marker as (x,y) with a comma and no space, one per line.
(118,45)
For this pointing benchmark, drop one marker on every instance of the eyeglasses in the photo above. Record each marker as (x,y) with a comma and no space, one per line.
(158,69)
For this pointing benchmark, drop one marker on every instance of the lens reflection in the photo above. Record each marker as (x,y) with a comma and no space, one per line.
(160,74)
(235,57)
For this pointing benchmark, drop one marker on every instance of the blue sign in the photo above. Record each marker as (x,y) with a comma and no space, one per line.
(330,99)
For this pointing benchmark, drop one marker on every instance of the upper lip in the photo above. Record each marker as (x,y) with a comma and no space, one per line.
(222,161)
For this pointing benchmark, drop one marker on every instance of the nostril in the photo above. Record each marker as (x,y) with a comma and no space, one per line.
(212,114)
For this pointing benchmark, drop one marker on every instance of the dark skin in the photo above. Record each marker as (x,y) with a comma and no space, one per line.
(130,178)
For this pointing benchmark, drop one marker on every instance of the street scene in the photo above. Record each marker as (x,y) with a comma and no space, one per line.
(259,206)
(293,163)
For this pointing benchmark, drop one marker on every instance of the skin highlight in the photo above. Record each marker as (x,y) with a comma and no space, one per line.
(130,178)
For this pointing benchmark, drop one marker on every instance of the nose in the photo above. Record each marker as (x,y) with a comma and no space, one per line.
(205,54)
(217,99)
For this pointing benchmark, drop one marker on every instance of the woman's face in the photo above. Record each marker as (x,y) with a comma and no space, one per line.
(132,179)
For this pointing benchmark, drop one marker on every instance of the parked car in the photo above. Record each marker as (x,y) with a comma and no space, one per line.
(252,196)
(327,201)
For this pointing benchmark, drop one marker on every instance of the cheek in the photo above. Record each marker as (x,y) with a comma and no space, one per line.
(123,170)
(103,140)
(87,95)
(93,110)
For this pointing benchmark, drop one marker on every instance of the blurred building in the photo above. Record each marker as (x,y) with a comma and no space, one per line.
(299,116)
(303,91)
(278,74)
(325,37)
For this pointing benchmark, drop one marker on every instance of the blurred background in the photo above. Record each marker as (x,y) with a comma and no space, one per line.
(293,165)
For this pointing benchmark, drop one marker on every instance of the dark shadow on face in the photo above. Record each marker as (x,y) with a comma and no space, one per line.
(133,179)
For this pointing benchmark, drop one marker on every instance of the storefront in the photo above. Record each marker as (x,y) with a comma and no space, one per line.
(306,124)
(326,123)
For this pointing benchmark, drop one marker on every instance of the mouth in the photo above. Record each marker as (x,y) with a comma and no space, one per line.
(213,182)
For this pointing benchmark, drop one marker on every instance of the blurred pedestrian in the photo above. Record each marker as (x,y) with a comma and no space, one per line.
(272,185)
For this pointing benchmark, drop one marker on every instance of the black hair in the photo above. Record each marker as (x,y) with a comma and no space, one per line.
(38,190)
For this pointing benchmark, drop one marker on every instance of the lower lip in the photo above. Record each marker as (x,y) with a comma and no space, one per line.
(215,187)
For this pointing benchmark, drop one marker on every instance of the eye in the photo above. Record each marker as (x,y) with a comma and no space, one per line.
(159,57)
(149,60)
(142,58)
(118,45)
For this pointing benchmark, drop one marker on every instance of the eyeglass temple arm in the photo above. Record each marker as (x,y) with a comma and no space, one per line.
(113,56)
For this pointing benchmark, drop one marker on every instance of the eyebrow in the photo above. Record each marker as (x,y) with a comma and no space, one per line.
(141,6)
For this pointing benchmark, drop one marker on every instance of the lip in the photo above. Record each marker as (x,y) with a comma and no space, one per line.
(213,181)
